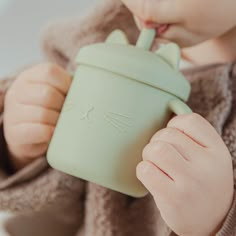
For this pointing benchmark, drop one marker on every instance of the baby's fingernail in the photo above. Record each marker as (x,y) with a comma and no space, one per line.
(52,132)
(143,167)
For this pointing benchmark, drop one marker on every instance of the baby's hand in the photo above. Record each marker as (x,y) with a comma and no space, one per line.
(32,107)
(188,170)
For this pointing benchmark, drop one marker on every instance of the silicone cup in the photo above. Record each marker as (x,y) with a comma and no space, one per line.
(121,95)
(145,41)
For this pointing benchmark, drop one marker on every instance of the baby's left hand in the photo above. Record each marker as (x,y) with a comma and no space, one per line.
(188,170)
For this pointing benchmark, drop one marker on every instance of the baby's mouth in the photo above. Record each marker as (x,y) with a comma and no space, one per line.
(160,28)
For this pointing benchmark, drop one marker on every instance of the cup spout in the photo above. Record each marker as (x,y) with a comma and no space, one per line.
(146,38)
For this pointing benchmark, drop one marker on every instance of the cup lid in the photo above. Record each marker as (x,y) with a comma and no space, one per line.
(158,69)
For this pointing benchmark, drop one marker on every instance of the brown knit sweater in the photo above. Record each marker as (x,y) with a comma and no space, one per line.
(41,201)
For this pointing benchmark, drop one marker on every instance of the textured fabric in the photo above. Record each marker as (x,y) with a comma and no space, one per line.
(46,202)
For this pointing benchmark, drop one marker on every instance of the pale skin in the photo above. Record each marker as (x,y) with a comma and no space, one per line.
(186,166)
(209,24)
(32,108)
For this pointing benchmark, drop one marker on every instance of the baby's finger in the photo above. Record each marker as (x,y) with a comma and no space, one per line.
(167,158)
(156,182)
(34,150)
(30,133)
(34,114)
(188,149)
(50,74)
(197,128)
(161,12)
(41,95)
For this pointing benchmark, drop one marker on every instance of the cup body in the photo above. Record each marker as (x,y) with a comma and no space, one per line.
(106,121)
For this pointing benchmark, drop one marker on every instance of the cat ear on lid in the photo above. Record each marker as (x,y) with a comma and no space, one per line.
(171,54)
(117,37)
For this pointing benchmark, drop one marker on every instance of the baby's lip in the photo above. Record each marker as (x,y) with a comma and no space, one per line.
(160,28)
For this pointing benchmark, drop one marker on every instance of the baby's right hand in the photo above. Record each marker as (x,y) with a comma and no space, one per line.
(32,107)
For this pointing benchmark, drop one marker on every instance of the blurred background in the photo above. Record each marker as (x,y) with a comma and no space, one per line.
(20,24)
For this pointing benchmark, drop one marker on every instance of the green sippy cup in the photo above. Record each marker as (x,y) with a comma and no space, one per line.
(120,96)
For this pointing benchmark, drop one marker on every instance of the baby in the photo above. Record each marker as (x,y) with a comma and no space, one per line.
(182,161)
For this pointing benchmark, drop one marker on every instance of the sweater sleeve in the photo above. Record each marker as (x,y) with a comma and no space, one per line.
(229,135)
(229,227)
